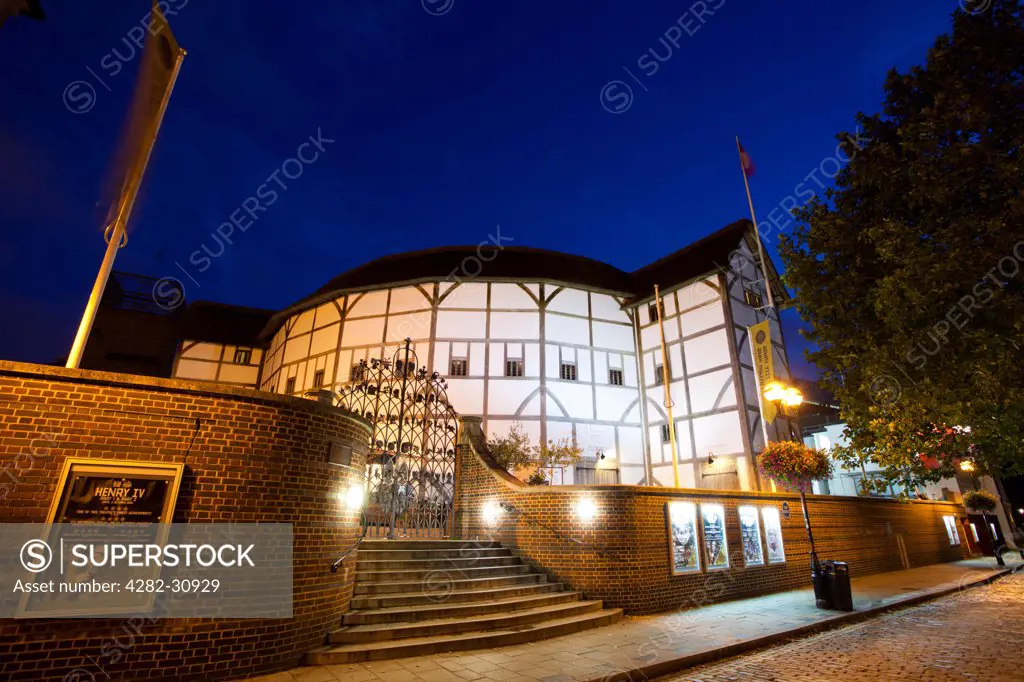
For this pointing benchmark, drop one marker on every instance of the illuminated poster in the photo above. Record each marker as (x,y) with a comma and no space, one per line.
(682,533)
(773,535)
(951,531)
(715,546)
(750,533)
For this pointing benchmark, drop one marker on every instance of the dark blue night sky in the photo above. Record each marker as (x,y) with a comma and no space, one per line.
(444,127)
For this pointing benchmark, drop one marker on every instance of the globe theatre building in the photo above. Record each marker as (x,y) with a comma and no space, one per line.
(567,346)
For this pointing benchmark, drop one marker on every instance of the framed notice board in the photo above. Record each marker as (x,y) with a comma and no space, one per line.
(115,491)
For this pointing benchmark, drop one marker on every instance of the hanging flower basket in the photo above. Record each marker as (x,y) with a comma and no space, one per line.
(980,500)
(794,465)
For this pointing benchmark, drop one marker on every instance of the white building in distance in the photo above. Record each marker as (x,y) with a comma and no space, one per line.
(565,345)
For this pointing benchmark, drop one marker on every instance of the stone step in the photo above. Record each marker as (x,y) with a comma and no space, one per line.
(439,583)
(402,614)
(381,601)
(430,553)
(420,646)
(434,574)
(439,562)
(497,621)
(468,545)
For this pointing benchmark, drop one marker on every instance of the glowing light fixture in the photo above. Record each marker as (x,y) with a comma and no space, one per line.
(354,497)
(491,512)
(967,465)
(775,391)
(778,392)
(793,397)
(586,509)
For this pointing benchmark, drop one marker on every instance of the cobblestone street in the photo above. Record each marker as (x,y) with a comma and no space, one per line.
(976,634)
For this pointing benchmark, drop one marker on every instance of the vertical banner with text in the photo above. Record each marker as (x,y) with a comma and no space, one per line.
(761,349)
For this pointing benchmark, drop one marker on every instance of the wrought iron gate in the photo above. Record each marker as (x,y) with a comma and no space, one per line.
(410,467)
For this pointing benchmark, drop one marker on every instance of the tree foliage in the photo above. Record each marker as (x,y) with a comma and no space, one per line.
(910,269)
(514,451)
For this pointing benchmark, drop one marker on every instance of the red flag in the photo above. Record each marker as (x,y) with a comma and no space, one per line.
(746,162)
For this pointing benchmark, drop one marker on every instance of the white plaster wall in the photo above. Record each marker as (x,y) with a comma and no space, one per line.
(588,328)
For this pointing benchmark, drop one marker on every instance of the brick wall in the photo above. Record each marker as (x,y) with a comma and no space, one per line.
(254,457)
(622,556)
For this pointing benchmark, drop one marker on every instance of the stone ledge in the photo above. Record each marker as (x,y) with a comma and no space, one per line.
(87,376)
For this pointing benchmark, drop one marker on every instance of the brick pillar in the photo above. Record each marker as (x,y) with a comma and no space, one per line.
(466,425)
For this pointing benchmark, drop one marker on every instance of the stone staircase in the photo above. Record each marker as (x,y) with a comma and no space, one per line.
(418,597)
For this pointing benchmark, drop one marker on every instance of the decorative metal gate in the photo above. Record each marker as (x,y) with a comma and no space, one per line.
(410,468)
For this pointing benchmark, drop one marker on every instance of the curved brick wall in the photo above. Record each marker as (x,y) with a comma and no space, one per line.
(255,457)
(625,556)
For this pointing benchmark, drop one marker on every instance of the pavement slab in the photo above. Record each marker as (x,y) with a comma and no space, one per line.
(644,647)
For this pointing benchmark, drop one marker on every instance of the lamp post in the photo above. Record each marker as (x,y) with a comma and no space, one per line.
(789,397)
(969,467)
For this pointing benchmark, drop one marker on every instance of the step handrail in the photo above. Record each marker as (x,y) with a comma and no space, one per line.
(511,509)
(340,560)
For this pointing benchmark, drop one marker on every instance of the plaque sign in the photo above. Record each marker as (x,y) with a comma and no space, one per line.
(115,491)
(102,501)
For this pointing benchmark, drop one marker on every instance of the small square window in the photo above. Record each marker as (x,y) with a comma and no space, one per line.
(615,377)
(752,298)
(289,386)
(652,310)
(513,368)
(460,367)
(659,374)
(243,356)
(568,371)
(318,378)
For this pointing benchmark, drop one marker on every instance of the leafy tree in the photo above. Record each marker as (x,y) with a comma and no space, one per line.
(514,452)
(560,453)
(910,269)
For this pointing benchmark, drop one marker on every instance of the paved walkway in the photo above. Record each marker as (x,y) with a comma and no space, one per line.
(643,647)
(971,636)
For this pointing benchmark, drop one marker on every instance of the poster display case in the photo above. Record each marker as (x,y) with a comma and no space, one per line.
(773,535)
(716,547)
(684,552)
(750,535)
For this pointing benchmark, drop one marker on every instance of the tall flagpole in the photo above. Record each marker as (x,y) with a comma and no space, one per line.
(668,392)
(768,295)
(753,219)
(117,233)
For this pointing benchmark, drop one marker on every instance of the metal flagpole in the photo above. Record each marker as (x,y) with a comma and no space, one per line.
(668,391)
(753,219)
(117,233)
(767,291)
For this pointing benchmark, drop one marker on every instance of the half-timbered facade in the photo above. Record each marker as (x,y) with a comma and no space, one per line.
(566,346)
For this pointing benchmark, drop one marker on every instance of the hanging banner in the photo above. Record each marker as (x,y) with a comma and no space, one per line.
(761,348)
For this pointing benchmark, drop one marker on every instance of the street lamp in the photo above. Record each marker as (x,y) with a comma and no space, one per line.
(785,396)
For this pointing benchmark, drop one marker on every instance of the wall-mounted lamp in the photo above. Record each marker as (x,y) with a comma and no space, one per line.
(967,465)
(711,458)
(586,510)
(491,512)
(354,497)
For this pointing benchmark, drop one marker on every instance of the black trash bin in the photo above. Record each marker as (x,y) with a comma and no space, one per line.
(822,585)
(836,576)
